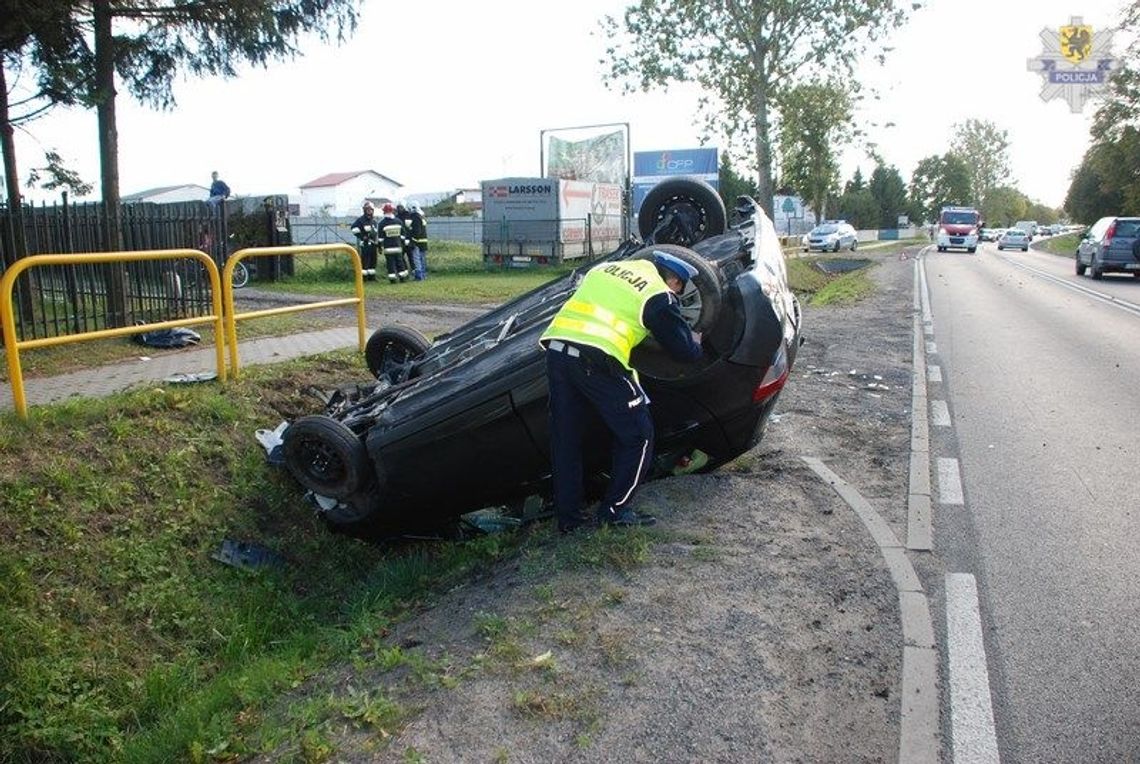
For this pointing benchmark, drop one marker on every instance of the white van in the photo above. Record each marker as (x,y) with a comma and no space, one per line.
(1029,226)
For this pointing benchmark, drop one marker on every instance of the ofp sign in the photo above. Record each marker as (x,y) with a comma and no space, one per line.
(649,167)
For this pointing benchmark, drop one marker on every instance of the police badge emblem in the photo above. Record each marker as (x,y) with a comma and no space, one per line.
(1076,63)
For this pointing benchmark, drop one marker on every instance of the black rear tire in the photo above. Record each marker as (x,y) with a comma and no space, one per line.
(1080,266)
(391,350)
(702,296)
(693,203)
(325,456)
(1096,272)
(702,303)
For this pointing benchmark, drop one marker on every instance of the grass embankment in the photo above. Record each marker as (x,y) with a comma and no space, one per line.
(122,640)
(817,287)
(1065,244)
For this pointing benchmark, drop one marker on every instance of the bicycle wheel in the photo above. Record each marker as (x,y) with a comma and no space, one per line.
(240,275)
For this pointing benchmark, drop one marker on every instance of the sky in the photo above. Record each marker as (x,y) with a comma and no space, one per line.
(467,96)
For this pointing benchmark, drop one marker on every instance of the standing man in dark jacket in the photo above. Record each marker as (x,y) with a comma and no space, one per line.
(366,229)
(393,239)
(417,225)
(588,345)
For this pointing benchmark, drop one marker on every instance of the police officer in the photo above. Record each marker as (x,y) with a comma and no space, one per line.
(393,235)
(417,232)
(588,344)
(367,232)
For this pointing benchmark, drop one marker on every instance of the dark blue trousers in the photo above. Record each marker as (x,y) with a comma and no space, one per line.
(579,386)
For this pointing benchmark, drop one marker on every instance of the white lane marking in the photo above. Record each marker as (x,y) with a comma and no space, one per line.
(1107,299)
(931,347)
(949,482)
(939,414)
(934,372)
(971,710)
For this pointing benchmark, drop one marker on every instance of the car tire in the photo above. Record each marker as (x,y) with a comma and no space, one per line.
(1080,266)
(836,247)
(971,250)
(391,349)
(700,305)
(854,244)
(942,249)
(650,359)
(1095,272)
(325,456)
(1025,249)
(695,202)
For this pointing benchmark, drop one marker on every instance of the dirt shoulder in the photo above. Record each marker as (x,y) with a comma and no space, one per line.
(756,622)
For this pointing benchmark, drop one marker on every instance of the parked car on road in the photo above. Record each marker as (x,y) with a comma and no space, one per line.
(1110,246)
(459,424)
(832,236)
(1014,238)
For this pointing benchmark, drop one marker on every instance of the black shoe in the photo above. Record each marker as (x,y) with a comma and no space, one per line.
(625,518)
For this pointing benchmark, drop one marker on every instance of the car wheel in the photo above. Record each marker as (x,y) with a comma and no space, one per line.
(391,350)
(854,244)
(325,456)
(702,296)
(971,250)
(1097,273)
(701,305)
(942,249)
(681,211)
(836,247)
(1025,249)
(1080,266)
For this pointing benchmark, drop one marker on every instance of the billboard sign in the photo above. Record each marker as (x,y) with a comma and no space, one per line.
(649,167)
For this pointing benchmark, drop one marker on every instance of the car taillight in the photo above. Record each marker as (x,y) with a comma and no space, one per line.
(775,377)
(1109,234)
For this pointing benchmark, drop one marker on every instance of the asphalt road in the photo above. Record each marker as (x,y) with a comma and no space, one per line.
(1040,374)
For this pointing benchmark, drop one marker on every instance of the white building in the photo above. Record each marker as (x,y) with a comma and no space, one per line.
(342,193)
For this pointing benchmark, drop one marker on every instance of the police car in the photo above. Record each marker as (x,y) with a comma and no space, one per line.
(443,428)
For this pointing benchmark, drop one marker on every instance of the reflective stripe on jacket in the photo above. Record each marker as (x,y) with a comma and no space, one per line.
(605,311)
(392,229)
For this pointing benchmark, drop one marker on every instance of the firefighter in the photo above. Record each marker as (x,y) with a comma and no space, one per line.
(367,232)
(588,345)
(417,232)
(393,240)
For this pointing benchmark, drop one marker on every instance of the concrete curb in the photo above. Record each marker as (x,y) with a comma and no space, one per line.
(919,711)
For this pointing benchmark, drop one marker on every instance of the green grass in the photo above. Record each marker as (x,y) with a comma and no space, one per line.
(1065,244)
(456,274)
(120,637)
(817,287)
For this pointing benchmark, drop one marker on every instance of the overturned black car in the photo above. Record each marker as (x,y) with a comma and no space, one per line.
(460,424)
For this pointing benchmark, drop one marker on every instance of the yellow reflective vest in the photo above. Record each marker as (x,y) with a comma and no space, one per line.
(605,311)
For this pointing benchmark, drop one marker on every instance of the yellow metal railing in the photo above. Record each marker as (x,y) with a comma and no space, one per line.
(12,344)
(242,254)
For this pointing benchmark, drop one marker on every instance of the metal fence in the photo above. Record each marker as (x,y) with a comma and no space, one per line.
(324,229)
(67,299)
